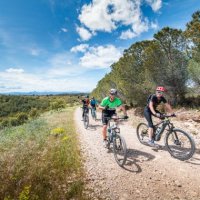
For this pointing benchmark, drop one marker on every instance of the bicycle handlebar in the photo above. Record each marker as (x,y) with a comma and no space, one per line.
(115,118)
(168,115)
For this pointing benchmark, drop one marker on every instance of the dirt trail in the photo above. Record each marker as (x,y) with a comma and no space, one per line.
(148,174)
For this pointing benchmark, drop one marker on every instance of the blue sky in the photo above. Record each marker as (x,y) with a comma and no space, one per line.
(69,45)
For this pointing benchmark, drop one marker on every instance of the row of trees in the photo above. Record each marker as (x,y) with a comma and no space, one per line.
(171,59)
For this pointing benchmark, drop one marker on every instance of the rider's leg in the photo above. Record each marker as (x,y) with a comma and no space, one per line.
(147,115)
(105,123)
(104,131)
(150,133)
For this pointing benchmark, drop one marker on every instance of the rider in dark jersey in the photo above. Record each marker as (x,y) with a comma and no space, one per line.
(85,102)
(150,110)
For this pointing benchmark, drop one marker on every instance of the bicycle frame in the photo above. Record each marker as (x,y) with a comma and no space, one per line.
(165,123)
(114,128)
(85,110)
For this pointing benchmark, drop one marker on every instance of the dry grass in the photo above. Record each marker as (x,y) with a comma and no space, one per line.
(36,164)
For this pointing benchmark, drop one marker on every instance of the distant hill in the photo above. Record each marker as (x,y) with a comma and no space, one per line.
(44,93)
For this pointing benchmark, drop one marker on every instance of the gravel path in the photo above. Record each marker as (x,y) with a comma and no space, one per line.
(147,174)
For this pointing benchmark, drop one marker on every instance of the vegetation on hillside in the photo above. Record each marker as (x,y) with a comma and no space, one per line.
(171,59)
(16,110)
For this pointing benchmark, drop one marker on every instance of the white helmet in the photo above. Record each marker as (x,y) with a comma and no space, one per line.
(113,91)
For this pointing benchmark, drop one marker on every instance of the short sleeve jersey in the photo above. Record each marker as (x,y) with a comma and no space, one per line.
(93,102)
(111,104)
(85,102)
(157,101)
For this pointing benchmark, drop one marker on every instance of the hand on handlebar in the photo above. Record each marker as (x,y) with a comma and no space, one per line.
(125,117)
(158,115)
(173,115)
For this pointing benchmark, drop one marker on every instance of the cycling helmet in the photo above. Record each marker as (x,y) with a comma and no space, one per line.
(113,91)
(160,88)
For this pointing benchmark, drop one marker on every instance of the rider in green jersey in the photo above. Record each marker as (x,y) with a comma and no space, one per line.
(108,107)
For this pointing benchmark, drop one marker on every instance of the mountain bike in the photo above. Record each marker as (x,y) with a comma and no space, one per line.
(177,142)
(93,113)
(116,140)
(86,117)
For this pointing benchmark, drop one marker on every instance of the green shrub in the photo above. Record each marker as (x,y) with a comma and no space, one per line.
(22,118)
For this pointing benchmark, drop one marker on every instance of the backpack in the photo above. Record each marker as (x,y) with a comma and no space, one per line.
(149,98)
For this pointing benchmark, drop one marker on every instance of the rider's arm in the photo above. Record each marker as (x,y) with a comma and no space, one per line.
(122,107)
(101,107)
(152,108)
(169,108)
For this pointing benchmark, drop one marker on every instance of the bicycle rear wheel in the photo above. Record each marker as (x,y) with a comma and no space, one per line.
(119,149)
(180,144)
(86,121)
(142,133)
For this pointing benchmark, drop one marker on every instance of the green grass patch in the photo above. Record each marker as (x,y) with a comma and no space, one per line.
(41,159)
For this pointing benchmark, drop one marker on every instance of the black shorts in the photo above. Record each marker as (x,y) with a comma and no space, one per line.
(148,116)
(106,115)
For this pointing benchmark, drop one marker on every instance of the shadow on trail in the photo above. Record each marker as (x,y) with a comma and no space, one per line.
(134,157)
(92,127)
(195,160)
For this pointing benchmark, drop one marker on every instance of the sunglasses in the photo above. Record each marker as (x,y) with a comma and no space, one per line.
(159,92)
(112,94)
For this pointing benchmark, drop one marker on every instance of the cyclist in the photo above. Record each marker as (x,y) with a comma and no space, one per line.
(93,104)
(108,107)
(150,109)
(86,103)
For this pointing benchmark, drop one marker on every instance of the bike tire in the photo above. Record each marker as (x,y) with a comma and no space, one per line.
(119,150)
(86,121)
(183,148)
(142,133)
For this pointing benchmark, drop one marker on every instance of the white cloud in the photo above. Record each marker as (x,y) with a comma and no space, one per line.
(25,82)
(64,30)
(80,48)
(64,72)
(61,65)
(84,33)
(154,25)
(15,70)
(33,51)
(155,4)
(140,26)
(127,35)
(100,57)
(108,15)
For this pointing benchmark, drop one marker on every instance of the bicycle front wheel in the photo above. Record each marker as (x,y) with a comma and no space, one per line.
(180,144)
(119,149)
(142,133)
(86,121)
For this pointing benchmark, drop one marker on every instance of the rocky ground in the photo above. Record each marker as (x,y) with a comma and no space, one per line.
(148,173)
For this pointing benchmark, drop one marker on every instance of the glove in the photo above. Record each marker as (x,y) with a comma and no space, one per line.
(173,115)
(158,115)
(125,117)
(106,107)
